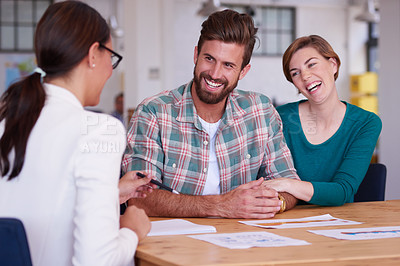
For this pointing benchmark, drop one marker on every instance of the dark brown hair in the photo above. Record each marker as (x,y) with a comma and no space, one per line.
(63,37)
(315,41)
(231,27)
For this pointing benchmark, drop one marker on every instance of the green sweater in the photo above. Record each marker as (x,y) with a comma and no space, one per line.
(336,167)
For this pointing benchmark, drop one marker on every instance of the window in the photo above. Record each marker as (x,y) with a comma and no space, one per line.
(276,28)
(18,19)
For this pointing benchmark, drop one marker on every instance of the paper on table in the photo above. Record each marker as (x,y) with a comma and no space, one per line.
(178,227)
(249,239)
(361,233)
(321,220)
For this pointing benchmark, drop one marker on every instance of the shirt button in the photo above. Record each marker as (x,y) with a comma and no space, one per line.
(248,156)
(205,143)
(174,165)
(205,169)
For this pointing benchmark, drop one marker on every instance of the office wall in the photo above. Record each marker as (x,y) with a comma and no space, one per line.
(163,34)
(389,93)
(143,49)
(115,84)
(160,36)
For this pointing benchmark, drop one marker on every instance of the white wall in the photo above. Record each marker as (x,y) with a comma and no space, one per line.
(160,40)
(267,76)
(115,84)
(160,36)
(163,34)
(389,93)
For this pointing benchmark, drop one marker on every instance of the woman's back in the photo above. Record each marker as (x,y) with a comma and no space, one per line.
(67,190)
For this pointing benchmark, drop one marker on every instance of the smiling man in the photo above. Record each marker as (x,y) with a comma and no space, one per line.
(207,140)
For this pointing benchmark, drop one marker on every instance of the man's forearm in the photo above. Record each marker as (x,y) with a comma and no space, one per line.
(291,201)
(165,203)
(248,201)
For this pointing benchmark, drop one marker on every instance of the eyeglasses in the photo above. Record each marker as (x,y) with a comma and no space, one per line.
(115,58)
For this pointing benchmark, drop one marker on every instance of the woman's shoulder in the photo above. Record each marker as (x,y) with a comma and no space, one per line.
(101,123)
(288,108)
(358,114)
(364,122)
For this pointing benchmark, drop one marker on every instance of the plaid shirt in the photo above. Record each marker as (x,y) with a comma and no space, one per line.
(167,140)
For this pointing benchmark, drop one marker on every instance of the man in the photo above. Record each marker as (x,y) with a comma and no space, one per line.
(119,107)
(210,142)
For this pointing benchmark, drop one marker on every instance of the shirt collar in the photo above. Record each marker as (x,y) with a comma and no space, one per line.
(55,91)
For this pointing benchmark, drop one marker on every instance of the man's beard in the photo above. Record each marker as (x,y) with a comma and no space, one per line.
(209,97)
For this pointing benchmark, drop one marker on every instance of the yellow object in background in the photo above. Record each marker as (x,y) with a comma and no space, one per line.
(366,102)
(364,94)
(366,83)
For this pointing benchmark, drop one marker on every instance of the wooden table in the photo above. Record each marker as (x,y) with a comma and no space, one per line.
(182,250)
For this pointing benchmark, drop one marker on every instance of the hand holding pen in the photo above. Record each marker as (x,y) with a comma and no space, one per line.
(161,185)
(131,186)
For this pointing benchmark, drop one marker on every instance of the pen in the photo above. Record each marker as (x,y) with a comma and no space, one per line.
(155,182)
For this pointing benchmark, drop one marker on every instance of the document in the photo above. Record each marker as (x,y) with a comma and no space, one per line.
(360,233)
(249,239)
(321,220)
(178,227)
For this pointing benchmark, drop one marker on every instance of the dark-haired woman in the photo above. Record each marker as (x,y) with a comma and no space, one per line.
(331,141)
(59,163)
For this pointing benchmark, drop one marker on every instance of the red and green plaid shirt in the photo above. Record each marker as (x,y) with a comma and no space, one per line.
(166,139)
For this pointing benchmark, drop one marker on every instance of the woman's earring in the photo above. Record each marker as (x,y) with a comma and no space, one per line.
(93,65)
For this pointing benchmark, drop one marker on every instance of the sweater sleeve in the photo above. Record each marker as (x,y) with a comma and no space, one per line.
(352,169)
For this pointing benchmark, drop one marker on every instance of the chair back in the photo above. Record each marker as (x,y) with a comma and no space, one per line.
(14,248)
(372,188)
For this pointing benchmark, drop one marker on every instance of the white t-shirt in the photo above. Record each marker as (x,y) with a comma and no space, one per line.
(212,185)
